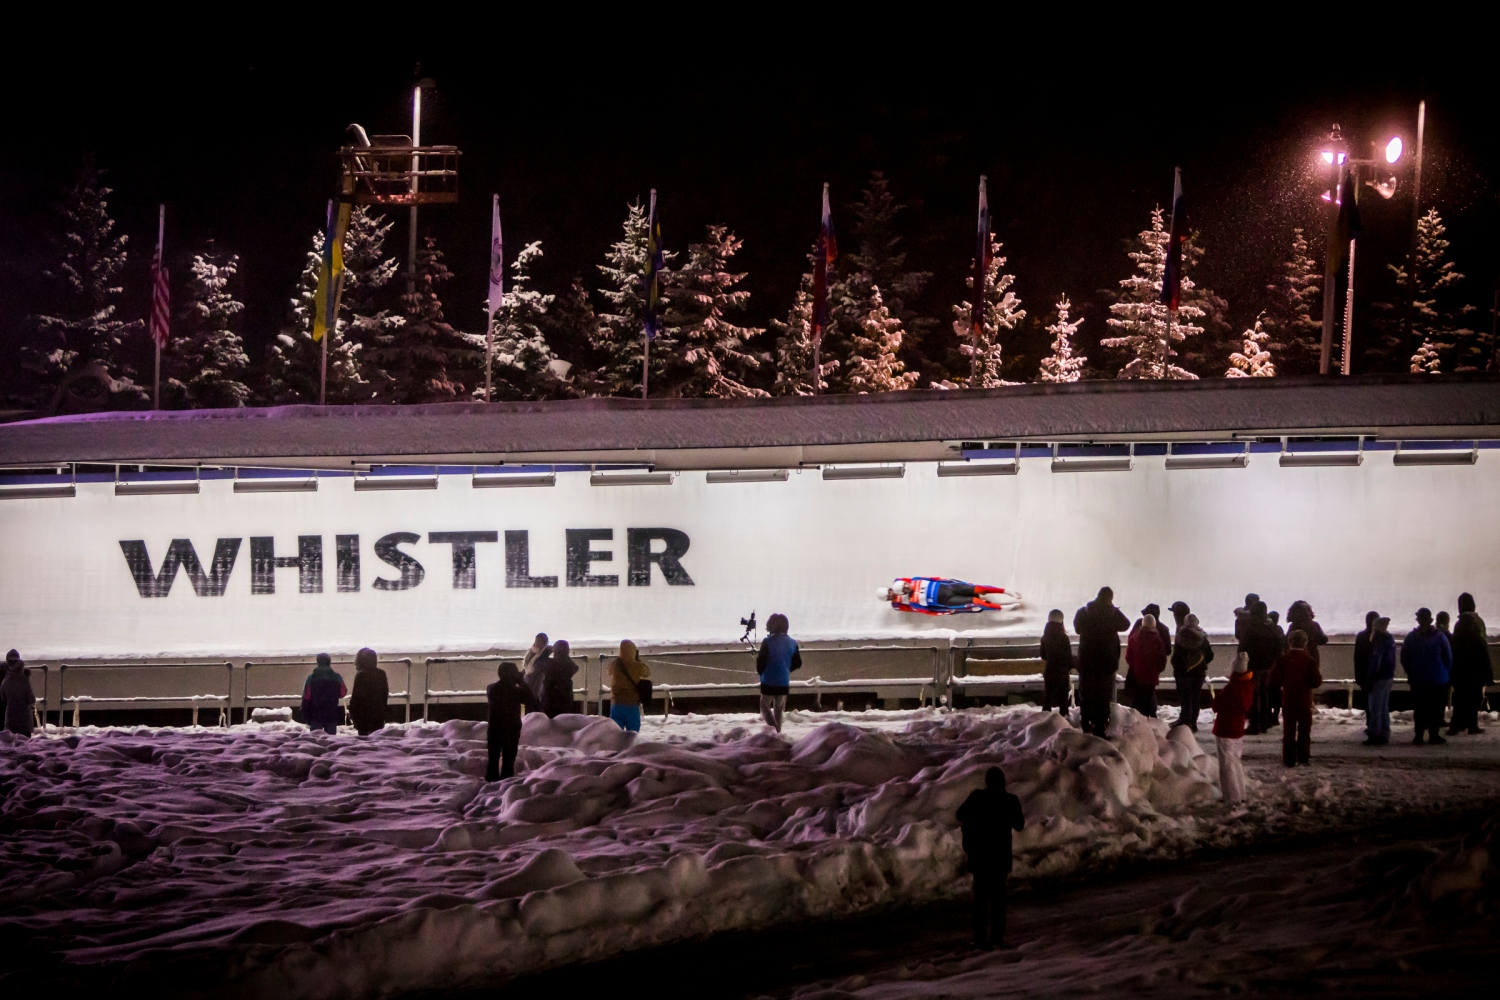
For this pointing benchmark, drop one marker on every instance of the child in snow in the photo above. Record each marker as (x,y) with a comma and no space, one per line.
(1057,652)
(779,655)
(988,816)
(626,672)
(320,697)
(1295,675)
(1231,707)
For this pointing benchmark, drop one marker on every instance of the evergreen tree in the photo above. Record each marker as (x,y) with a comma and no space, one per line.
(523,366)
(1002,311)
(366,305)
(1294,314)
(1426,361)
(878,260)
(294,361)
(1062,366)
(424,359)
(1436,319)
(621,330)
(83,332)
(1253,359)
(1142,320)
(701,347)
(794,349)
(872,365)
(206,357)
(571,327)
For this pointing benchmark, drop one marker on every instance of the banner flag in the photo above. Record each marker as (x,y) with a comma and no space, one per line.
(325,301)
(655,263)
(826,253)
(1171,278)
(497,259)
(981,259)
(161,301)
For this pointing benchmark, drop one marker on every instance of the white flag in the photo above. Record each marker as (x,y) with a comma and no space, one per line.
(497,260)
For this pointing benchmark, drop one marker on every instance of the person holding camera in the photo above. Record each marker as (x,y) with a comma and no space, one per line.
(626,672)
(779,655)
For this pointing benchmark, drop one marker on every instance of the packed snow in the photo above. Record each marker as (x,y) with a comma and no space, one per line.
(310,864)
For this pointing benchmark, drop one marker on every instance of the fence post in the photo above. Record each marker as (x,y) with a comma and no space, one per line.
(426,683)
(62,693)
(408,688)
(227,716)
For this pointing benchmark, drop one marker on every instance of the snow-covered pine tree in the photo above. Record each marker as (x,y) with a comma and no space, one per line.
(872,365)
(83,331)
(1139,316)
(1427,361)
(294,360)
(1002,311)
(794,352)
(877,260)
(571,327)
(620,332)
(206,358)
(523,361)
(368,301)
(1294,312)
(1253,359)
(424,359)
(1437,321)
(702,349)
(1063,365)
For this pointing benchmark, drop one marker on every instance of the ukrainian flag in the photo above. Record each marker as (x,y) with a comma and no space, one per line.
(331,274)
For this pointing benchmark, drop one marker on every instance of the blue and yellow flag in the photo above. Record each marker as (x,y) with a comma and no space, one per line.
(654,267)
(331,274)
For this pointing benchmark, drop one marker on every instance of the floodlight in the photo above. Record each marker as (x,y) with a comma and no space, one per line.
(1328,156)
(1393,150)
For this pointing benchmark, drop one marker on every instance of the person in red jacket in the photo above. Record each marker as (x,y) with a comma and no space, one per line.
(1296,674)
(1146,656)
(1231,707)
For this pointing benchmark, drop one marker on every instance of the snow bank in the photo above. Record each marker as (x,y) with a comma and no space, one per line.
(332,866)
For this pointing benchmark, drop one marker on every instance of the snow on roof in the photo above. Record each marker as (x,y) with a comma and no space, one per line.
(710,433)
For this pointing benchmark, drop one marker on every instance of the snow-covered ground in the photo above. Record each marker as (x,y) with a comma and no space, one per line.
(316,865)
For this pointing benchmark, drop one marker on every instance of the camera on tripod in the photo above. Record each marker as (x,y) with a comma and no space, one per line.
(749,624)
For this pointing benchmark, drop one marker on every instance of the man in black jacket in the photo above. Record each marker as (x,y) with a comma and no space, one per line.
(988,816)
(1261,641)
(1471,671)
(1098,624)
(1057,654)
(506,696)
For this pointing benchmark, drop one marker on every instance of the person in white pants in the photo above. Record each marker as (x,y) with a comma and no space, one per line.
(1231,706)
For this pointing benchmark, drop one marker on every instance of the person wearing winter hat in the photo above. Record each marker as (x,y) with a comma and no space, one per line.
(1362,651)
(1145,658)
(1098,625)
(1380,677)
(320,697)
(778,658)
(987,818)
(1180,612)
(1231,707)
(16,695)
(1057,655)
(1427,658)
(1296,675)
(372,692)
(1190,659)
(1472,671)
(626,672)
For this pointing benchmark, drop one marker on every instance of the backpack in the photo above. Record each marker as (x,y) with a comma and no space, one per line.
(643,689)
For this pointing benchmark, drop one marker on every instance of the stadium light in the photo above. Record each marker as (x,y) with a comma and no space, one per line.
(1393,150)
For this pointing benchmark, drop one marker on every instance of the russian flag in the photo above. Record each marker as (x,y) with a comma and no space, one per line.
(825,254)
(1171,278)
(981,259)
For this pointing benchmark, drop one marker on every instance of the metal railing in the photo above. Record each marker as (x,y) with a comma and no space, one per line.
(454,694)
(195,700)
(296,699)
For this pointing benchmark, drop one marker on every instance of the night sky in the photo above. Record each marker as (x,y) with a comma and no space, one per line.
(1078,151)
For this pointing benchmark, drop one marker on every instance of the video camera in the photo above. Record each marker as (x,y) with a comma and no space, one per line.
(749,623)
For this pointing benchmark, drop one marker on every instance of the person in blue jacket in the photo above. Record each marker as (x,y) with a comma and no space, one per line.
(779,655)
(320,697)
(1380,676)
(1427,659)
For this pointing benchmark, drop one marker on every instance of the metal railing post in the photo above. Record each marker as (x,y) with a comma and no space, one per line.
(408,688)
(426,684)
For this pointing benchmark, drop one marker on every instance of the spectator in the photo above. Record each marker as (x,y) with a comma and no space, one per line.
(372,691)
(1180,612)
(626,672)
(506,697)
(1190,659)
(1300,616)
(1427,658)
(320,696)
(1098,625)
(1242,614)
(1380,677)
(1154,611)
(1362,652)
(1273,693)
(16,695)
(1296,675)
(1472,671)
(1057,655)
(1145,659)
(1443,623)
(779,656)
(1259,639)
(531,663)
(1231,706)
(988,816)
(556,670)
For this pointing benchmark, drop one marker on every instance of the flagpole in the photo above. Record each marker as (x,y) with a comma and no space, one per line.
(1349,312)
(496,270)
(161,233)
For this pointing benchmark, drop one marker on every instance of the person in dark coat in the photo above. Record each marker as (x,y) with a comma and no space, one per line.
(16,695)
(1296,675)
(320,697)
(506,697)
(778,658)
(1362,652)
(372,692)
(1098,625)
(557,670)
(1191,655)
(1380,674)
(1274,692)
(988,816)
(1242,614)
(1260,639)
(1427,659)
(531,663)
(1057,658)
(1180,612)
(1300,616)
(1472,671)
(1145,659)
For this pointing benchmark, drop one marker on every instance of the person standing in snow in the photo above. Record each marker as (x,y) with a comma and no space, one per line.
(1300,617)
(1057,654)
(1260,640)
(778,657)
(530,663)
(1098,625)
(1231,707)
(1380,677)
(372,692)
(320,697)
(1296,675)
(556,670)
(506,697)
(1191,656)
(987,817)
(1180,612)
(1427,659)
(626,672)
(1243,614)
(1362,652)
(16,695)
(1472,671)
(1145,659)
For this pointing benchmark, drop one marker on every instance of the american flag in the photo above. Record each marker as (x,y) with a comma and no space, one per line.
(161,302)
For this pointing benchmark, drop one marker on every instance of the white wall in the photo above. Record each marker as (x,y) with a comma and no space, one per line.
(1346,539)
